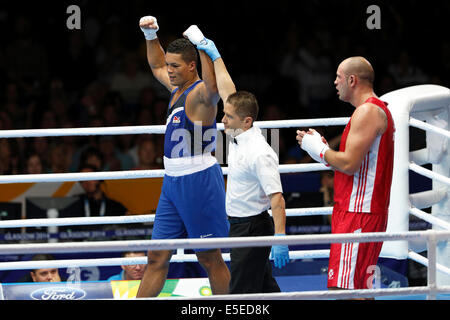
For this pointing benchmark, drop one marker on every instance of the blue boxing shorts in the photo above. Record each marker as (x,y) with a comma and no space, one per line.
(192,206)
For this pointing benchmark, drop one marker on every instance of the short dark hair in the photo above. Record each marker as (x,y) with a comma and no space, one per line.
(245,104)
(185,48)
(41,257)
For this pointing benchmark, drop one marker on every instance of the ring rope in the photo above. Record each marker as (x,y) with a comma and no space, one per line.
(159,129)
(141,218)
(429,218)
(309,295)
(235,242)
(429,174)
(424,261)
(177,258)
(428,127)
(132,174)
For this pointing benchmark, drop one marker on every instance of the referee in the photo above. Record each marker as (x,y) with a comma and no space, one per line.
(253,186)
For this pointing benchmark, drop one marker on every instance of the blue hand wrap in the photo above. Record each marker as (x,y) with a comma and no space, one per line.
(210,49)
(280,253)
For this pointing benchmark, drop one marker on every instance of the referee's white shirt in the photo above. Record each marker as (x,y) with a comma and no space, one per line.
(252,174)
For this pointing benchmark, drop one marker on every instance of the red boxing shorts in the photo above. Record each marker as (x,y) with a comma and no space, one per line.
(352,265)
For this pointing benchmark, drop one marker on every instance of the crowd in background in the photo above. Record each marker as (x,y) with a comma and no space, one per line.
(286,53)
(53,77)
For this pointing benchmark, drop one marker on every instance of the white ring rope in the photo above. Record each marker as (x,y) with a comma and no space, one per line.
(132,174)
(429,174)
(158,129)
(177,258)
(308,295)
(428,127)
(424,261)
(235,242)
(429,218)
(54,222)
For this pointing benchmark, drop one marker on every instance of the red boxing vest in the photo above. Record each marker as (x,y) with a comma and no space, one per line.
(369,189)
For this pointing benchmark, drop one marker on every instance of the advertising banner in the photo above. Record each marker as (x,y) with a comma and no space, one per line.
(191,287)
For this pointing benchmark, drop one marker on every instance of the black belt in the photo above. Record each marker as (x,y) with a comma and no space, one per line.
(234,220)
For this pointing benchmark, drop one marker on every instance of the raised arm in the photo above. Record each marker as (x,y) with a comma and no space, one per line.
(223,79)
(155,53)
(225,84)
(209,79)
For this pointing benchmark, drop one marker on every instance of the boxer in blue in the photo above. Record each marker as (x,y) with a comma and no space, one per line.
(192,201)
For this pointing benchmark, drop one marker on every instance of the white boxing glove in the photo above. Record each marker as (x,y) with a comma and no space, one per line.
(194,34)
(313,144)
(149,33)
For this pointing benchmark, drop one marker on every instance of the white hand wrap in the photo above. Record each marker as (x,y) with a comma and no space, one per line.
(194,35)
(150,34)
(313,144)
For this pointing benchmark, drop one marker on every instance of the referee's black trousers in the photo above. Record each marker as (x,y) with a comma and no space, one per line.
(251,271)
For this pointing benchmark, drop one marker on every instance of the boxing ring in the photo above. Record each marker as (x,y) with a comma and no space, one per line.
(426,107)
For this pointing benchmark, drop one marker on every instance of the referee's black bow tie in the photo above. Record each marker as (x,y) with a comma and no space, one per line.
(234,140)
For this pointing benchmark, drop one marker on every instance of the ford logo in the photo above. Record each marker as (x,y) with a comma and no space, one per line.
(58,293)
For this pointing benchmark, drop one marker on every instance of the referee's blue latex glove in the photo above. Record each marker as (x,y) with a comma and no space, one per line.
(210,49)
(280,254)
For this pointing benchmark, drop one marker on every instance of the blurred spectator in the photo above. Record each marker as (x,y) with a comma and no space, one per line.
(405,73)
(34,164)
(58,158)
(40,146)
(78,62)
(9,158)
(6,122)
(95,201)
(59,108)
(92,203)
(131,272)
(147,98)
(147,156)
(113,159)
(109,50)
(12,105)
(44,274)
(91,102)
(160,111)
(312,69)
(130,80)
(327,182)
(26,59)
(48,120)
(126,143)
(386,84)
(91,156)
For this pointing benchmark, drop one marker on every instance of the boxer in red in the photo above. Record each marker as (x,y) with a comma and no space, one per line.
(363,174)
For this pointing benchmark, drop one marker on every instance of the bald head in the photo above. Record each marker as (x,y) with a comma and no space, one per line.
(360,67)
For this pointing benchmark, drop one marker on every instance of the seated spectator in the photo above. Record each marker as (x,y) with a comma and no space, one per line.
(45,274)
(131,272)
(92,203)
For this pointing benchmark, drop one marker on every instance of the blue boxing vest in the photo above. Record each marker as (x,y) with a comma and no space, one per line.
(187,145)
